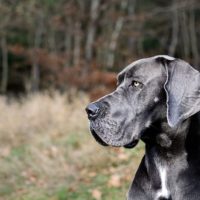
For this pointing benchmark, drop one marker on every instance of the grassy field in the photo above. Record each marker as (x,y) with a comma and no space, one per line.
(47,152)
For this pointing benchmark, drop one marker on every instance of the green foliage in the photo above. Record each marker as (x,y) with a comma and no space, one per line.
(150,43)
(18,36)
(19,152)
(73,141)
(50,2)
(6,190)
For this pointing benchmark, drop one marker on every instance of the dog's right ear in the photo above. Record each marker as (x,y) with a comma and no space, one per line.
(182,90)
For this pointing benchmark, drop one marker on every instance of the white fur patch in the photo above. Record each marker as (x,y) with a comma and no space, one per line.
(163,192)
(156,99)
(148,123)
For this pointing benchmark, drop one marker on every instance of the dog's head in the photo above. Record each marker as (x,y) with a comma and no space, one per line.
(148,90)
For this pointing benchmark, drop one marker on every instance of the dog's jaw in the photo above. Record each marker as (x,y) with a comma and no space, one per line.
(107,133)
(131,144)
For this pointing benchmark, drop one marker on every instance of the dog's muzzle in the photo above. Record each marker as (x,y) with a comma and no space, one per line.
(93,111)
(106,131)
(97,138)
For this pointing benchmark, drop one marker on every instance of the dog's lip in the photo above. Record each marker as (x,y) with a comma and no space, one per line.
(97,138)
(132,144)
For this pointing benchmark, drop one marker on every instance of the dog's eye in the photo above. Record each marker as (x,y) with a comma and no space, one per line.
(136,84)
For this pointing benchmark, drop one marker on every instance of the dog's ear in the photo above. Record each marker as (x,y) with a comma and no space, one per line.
(182,89)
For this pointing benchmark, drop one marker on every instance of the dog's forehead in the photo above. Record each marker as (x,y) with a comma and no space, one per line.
(141,67)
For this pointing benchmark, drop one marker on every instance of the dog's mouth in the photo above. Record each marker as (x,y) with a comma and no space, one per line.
(97,138)
(132,144)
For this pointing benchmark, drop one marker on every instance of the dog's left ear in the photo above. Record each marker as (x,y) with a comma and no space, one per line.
(182,89)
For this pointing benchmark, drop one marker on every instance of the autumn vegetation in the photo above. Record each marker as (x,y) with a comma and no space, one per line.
(62,44)
(46,152)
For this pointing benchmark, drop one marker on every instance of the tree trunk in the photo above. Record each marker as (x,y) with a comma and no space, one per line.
(193,38)
(77,44)
(68,42)
(131,12)
(52,41)
(115,36)
(35,75)
(94,13)
(4,80)
(185,34)
(175,30)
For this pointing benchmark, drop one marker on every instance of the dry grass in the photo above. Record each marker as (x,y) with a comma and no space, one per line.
(46,151)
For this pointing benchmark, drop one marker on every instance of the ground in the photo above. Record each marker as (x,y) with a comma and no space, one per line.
(47,152)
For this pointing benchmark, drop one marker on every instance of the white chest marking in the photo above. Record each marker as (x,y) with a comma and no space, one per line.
(163,192)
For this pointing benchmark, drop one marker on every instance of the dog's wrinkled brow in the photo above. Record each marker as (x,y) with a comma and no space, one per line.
(120,78)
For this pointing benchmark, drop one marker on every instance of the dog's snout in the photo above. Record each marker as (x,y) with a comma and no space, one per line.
(92,110)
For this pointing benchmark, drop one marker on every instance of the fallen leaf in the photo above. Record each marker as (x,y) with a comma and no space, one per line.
(123,156)
(96,194)
(114,181)
(92,174)
(5,152)
(112,169)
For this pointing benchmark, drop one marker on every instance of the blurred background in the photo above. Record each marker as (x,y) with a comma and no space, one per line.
(55,57)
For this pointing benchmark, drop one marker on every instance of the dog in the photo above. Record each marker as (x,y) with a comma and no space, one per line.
(157,100)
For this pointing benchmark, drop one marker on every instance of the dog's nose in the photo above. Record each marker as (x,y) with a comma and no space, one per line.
(92,111)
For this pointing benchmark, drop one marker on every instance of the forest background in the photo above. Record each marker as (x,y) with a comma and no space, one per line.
(55,57)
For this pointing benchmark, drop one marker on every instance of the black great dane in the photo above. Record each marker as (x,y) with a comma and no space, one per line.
(157,100)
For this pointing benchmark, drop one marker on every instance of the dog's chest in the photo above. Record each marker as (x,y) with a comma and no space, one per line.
(163,192)
(169,176)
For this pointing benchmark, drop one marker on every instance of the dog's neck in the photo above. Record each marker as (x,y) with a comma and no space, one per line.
(167,141)
(168,148)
